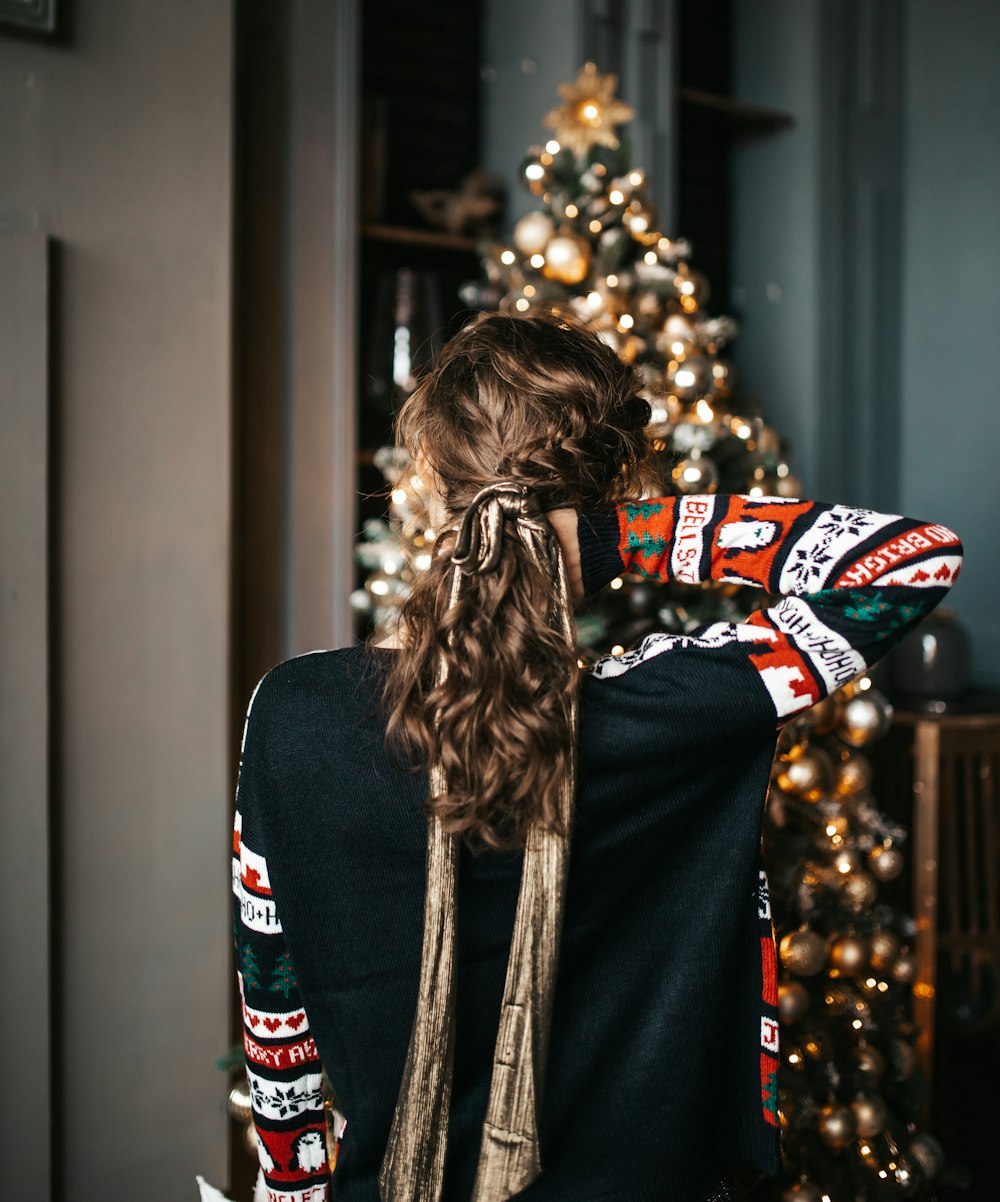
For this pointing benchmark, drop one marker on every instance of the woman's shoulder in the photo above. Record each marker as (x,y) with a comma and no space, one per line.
(309,683)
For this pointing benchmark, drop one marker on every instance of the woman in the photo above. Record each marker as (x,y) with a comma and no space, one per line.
(458,825)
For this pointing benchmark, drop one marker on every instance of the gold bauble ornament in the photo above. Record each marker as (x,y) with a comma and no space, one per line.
(871,1063)
(649,306)
(793,1001)
(886,863)
(836,825)
(904,968)
(803,952)
(865,718)
(861,890)
(884,947)
(535,173)
(533,231)
(692,286)
(853,775)
(806,771)
(567,259)
(869,1114)
(723,377)
(836,1125)
(250,1140)
(695,475)
(238,1103)
(589,112)
(927,1152)
(849,956)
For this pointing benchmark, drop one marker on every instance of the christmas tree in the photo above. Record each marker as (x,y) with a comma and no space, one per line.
(848,1094)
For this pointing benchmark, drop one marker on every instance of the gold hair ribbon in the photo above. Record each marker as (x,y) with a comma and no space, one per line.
(509,1154)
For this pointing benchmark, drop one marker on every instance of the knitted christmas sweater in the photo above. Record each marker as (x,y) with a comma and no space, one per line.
(664,1048)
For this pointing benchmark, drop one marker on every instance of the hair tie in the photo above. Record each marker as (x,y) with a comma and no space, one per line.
(479,543)
(641,409)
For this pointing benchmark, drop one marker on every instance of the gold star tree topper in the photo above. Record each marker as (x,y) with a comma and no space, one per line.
(590,112)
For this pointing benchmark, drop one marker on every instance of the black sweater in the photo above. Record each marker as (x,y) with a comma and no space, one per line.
(664,1048)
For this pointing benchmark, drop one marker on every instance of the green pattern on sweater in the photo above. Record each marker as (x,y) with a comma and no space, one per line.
(644,509)
(648,544)
(869,605)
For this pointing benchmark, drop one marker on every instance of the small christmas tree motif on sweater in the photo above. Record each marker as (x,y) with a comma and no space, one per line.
(282,975)
(249,967)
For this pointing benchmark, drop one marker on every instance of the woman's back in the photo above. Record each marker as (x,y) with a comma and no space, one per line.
(655,961)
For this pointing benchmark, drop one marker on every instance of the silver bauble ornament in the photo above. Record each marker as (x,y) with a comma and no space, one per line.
(853,774)
(866,717)
(886,863)
(908,1173)
(903,1058)
(696,474)
(250,1140)
(239,1103)
(869,1114)
(532,233)
(806,771)
(861,890)
(689,377)
(836,1125)
(927,1152)
(803,952)
(793,1001)
(533,173)
(692,434)
(849,956)
(904,968)
(567,259)
(885,946)
(871,1063)
(786,485)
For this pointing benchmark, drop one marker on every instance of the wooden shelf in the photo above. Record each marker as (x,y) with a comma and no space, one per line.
(755,117)
(400,235)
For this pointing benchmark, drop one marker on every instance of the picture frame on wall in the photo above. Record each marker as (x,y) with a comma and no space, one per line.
(31,16)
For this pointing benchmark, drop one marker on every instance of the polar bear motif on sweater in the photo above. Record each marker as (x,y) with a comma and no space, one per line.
(310,1152)
(746,536)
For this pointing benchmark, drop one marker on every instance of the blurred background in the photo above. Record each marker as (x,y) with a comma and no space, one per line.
(231,236)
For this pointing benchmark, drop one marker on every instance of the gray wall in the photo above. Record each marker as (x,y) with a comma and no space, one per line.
(118,145)
(529,48)
(776,233)
(951,296)
(946,306)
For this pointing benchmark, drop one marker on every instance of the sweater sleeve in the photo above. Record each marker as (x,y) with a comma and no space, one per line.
(852,581)
(282,1064)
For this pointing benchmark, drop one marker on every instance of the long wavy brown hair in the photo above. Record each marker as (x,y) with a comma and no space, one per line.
(541,399)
